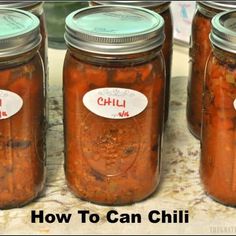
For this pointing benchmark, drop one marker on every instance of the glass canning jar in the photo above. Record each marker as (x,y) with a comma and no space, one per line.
(22,137)
(198,53)
(114,82)
(162,8)
(218,145)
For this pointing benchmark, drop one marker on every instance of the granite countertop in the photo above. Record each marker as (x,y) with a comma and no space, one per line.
(180,186)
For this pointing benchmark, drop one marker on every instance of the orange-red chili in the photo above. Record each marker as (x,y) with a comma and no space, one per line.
(112,155)
(22,103)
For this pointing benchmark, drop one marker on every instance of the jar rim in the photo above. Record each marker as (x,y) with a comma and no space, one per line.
(223,33)
(114,30)
(145,4)
(211,8)
(19,5)
(220,5)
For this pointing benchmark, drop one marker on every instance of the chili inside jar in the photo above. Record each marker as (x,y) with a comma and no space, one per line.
(114,82)
(218,152)
(199,52)
(162,8)
(22,104)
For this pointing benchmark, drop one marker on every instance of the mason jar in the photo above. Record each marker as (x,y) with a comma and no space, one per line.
(162,8)
(199,53)
(22,104)
(218,153)
(113,83)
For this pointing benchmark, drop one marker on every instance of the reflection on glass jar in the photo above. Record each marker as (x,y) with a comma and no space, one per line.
(56,13)
(199,52)
(22,114)
(113,103)
(218,156)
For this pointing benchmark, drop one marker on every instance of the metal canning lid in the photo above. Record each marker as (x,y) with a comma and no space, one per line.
(118,30)
(216,6)
(220,5)
(19,32)
(223,34)
(19,5)
(146,4)
(32,6)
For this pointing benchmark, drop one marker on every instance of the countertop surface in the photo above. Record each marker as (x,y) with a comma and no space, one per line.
(180,186)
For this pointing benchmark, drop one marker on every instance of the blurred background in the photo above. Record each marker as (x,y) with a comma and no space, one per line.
(56,13)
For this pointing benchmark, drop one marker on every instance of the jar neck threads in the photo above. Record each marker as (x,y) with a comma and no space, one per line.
(114,60)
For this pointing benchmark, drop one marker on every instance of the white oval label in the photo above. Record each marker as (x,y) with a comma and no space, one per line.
(115,103)
(235,104)
(10,104)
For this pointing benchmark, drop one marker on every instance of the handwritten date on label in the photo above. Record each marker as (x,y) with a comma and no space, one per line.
(115,103)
